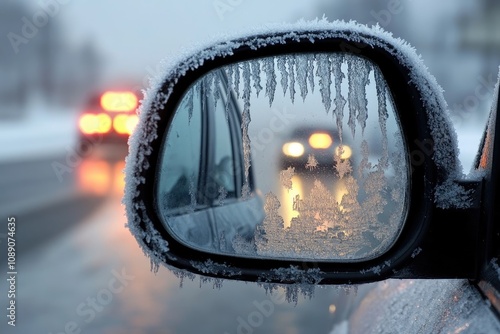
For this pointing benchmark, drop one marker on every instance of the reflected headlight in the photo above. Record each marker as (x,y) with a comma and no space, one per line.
(293,149)
(344,151)
(320,140)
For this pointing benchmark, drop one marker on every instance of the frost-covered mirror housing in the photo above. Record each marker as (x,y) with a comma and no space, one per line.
(316,153)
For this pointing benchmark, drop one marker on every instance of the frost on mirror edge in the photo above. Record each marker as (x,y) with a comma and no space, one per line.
(296,156)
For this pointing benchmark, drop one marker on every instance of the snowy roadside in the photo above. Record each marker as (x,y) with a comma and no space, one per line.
(26,143)
(40,134)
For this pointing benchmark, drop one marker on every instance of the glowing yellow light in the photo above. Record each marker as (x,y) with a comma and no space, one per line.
(343,151)
(118,101)
(293,149)
(125,124)
(320,140)
(88,124)
(103,123)
(332,308)
(119,123)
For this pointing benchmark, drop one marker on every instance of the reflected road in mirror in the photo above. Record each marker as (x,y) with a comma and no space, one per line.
(296,156)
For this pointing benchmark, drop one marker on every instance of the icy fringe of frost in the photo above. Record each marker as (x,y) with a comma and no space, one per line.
(176,66)
(452,195)
(305,282)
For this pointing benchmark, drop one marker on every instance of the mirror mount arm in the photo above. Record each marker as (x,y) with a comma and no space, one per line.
(452,246)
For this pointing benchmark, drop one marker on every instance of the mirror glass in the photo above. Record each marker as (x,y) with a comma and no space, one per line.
(297,156)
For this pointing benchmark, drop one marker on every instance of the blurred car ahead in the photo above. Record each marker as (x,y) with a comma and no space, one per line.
(313,147)
(109,117)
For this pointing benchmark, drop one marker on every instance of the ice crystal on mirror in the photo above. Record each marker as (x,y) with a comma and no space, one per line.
(359,70)
(236,80)
(222,196)
(271,79)
(281,64)
(291,73)
(217,92)
(325,81)
(286,177)
(293,184)
(256,77)
(312,163)
(340,101)
(310,73)
(302,73)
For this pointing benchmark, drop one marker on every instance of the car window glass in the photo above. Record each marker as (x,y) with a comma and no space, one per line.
(178,179)
(223,173)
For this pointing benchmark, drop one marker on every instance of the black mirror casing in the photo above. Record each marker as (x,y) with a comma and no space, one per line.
(437,241)
(488,163)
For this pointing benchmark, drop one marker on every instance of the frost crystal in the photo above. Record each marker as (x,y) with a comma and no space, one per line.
(339,100)
(256,76)
(286,177)
(236,82)
(364,165)
(358,72)
(310,71)
(452,195)
(342,166)
(217,95)
(291,72)
(305,281)
(213,268)
(302,72)
(281,61)
(383,115)
(325,80)
(190,102)
(312,163)
(222,196)
(245,122)
(271,79)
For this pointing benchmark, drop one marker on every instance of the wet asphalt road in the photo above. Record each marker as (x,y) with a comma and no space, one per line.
(79,270)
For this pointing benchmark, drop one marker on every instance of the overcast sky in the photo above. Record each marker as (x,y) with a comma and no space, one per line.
(136,34)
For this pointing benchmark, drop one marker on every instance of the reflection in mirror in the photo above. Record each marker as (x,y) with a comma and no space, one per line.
(295,156)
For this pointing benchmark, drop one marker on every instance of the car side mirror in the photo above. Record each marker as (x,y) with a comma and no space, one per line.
(321,151)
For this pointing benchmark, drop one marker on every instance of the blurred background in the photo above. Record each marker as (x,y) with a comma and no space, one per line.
(61,175)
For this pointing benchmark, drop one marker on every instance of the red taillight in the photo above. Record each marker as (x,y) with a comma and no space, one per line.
(118,101)
(95,123)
